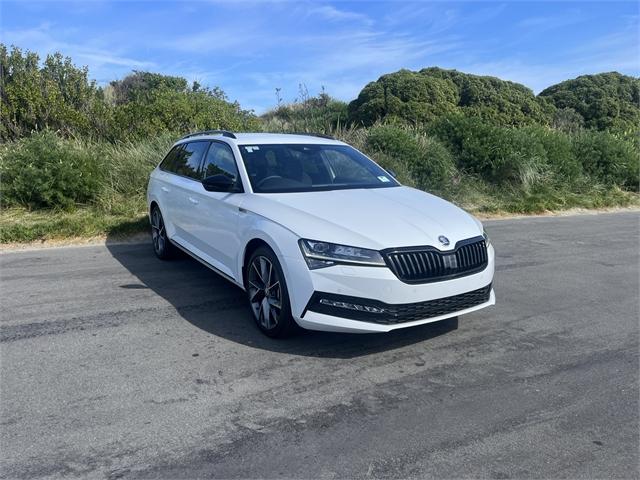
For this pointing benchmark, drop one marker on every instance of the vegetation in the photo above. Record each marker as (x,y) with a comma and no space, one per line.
(75,157)
(542,168)
(306,114)
(58,96)
(424,96)
(607,101)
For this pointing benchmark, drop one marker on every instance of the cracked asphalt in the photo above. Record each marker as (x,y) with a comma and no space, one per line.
(117,365)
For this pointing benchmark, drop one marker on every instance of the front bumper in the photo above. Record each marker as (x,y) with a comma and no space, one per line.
(379,288)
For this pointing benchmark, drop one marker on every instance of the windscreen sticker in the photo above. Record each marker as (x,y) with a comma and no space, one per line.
(383,178)
(251,149)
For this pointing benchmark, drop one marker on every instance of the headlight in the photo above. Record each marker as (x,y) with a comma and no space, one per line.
(324,254)
(487,240)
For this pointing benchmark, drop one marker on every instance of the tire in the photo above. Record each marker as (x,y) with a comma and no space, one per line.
(269,306)
(162,247)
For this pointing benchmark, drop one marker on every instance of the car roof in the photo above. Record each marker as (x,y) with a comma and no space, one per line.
(265,138)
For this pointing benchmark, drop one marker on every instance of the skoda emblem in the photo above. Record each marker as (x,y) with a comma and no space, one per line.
(443,240)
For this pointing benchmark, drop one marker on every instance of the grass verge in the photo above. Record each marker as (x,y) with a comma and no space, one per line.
(22,226)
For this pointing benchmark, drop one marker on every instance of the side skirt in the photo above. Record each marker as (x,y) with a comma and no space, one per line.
(207,264)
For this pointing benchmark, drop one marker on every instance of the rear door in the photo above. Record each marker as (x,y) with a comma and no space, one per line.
(186,186)
(164,189)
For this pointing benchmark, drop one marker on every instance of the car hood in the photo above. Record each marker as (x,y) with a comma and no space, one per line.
(374,218)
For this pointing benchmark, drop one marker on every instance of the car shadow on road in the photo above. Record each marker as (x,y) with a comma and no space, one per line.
(217,307)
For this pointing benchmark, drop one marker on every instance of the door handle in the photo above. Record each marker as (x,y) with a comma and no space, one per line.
(194,201)
(164,189)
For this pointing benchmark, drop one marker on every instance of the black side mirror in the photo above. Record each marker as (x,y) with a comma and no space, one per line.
(392,173)
(219,183)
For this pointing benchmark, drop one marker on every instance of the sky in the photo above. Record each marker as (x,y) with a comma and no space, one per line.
(250,48)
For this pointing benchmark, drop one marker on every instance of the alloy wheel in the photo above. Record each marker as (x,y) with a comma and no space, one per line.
(265,292)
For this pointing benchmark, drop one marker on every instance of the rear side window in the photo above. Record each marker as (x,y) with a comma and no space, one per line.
(220,161)
(169,162)
(185,159)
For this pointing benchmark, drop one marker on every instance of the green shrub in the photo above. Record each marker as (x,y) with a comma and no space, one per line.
(419,97)
(319,114)
(45,171)
(428,161)
(561,158)
(497,154)
(611,160)
(605,101)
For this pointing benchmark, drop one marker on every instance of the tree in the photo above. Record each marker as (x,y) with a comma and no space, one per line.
(423,96)
(606,101)
(57,95)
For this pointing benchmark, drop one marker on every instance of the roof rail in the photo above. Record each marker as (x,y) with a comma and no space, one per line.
(321,135)
(224,133)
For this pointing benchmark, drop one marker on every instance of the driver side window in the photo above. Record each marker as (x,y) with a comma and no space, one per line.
(220,161)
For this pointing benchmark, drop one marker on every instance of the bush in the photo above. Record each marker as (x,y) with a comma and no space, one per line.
(608,158)
(420,97)
(606,101)
(561,158)
(319,114)
(56,95)
(498,155)
(45,171)
(426,159)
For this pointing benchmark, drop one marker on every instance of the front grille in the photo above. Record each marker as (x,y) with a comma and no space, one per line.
(368,310)
(428,264)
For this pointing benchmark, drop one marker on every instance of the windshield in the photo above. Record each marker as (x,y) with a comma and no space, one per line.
(281,168)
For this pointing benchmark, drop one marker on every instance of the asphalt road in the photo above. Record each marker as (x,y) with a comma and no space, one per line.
(115,364)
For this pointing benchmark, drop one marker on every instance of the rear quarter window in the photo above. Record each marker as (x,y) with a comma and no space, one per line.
(169,162)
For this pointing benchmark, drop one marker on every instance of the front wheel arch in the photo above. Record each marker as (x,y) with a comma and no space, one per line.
(285,324)
(251,247)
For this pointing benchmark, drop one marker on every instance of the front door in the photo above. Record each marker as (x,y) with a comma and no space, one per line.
(216,229)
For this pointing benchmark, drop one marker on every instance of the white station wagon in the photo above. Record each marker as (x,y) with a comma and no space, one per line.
(317,234)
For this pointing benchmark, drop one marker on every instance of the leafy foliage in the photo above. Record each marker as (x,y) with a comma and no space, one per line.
(56,95)
(59,96)
(138,85)
(420,97)
(319,114)
(45,171)
(609,159)
(407,95)
(165,110)
(496,154)
(606,101)
(428,161)
(75,157)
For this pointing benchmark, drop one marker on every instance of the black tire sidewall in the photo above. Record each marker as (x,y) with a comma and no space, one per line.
(167,251)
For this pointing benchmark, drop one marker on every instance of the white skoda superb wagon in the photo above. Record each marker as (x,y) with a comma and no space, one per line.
(317,234)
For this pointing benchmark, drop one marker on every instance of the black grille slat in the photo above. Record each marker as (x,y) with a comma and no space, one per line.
(392,314)
(427,264)
(434,308)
